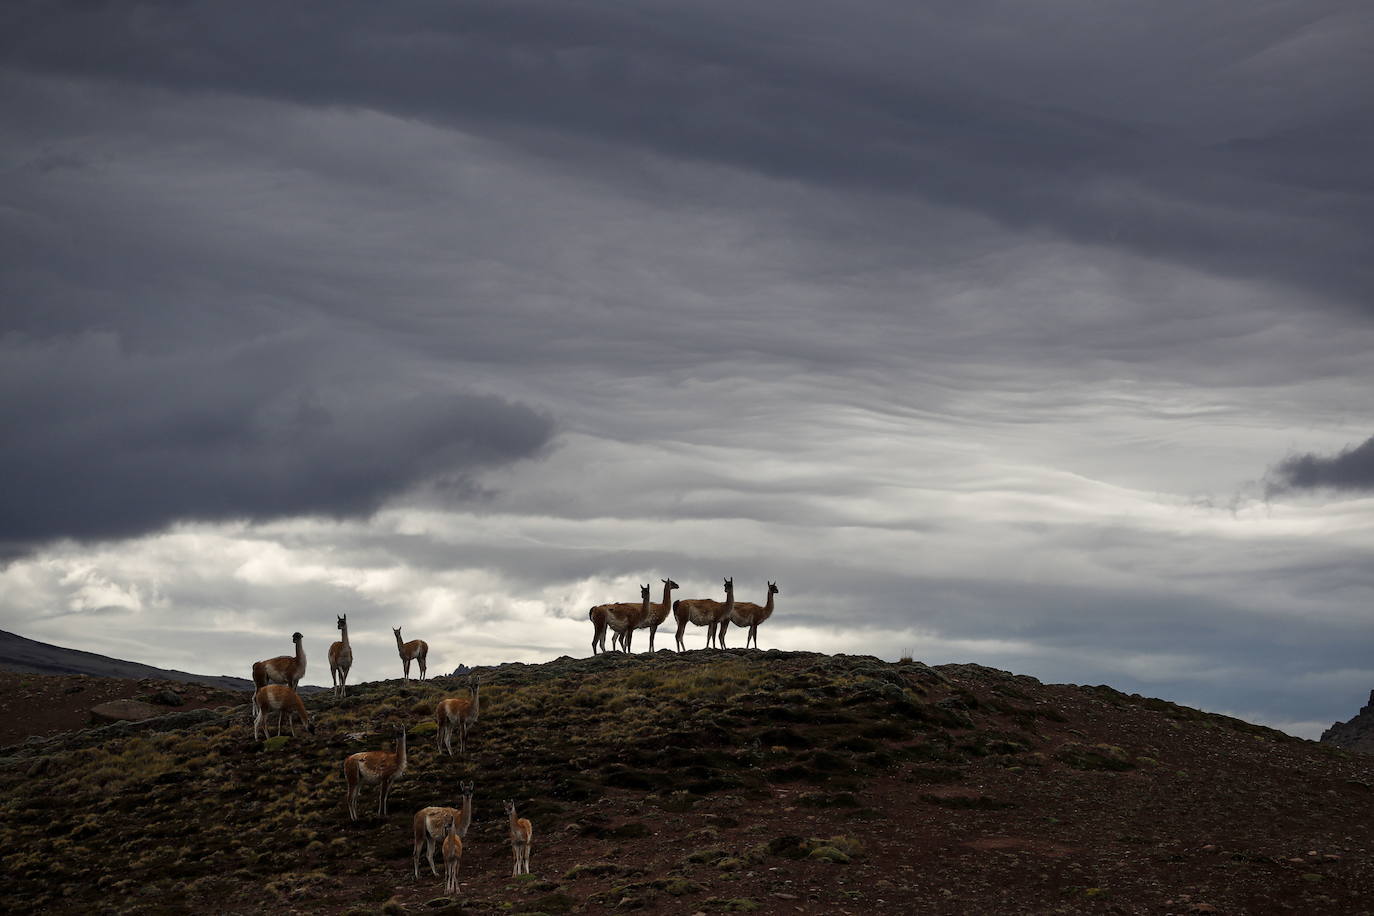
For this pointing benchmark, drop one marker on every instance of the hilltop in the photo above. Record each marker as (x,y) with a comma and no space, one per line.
(708,781)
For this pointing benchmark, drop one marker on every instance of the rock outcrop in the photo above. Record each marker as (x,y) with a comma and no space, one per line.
(124,711)
(1357,734)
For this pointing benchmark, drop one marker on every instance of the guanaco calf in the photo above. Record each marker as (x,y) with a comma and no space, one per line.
(453,854)
(520,835)
(377,767)
(459,713)
(340,658)
(282,700)
(429,827)
(416,649)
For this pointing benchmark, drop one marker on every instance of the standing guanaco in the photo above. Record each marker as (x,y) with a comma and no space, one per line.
(453,854)
(703,612)
(429,823)
(748,614)
(459,713)
(416,649)
(521,832)
(340,658)
(377,767)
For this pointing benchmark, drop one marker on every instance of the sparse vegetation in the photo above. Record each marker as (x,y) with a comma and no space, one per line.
(710,781)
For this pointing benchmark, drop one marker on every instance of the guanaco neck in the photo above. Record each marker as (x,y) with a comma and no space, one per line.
(344,639)
(667,598)
(466,817)
(767,607)
(300,657)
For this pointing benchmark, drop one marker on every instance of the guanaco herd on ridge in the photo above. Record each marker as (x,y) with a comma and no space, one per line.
(623,618)
(276,679)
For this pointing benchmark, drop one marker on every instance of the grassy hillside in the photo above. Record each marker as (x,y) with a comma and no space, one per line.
(710,781)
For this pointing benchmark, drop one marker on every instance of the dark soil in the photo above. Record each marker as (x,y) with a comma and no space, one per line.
(45,705)
(705,782)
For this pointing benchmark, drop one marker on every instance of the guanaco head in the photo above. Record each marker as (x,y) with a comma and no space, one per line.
(474,686)
(669,584)
(729,587)
(466,789)
(397,631)
(450,826)
(644,592)
(296,637)
(343,620)
(510,807)
(772,588)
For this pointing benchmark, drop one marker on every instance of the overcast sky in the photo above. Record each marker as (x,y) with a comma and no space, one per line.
(1033,335)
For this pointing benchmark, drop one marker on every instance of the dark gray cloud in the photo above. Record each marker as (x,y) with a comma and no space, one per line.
(1351,469)
(830,98)
(110,444)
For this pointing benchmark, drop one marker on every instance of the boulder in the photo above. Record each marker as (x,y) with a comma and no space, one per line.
(167,697)
(123,711)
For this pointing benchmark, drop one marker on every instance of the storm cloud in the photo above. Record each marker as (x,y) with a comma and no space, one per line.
(803,93)
(1351,469)
(112,444)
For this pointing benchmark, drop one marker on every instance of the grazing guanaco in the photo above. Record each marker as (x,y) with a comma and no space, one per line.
(453,854)
(459,713)
(703,612)
(416,649)
(340,658)
(520,835)
(623,617)
(284,669)
(377,767)
(748,614)
(429,826)
(282,700)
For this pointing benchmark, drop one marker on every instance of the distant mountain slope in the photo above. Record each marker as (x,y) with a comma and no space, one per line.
(29,656)
(1356,734)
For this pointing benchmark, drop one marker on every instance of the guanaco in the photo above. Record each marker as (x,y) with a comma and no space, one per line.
(284,669)
(283,701)
(416,649)
(377,767)
(429,823)
(453,854)
(748,614)
(521,832)
(340,658)
(457,713)
(703,612)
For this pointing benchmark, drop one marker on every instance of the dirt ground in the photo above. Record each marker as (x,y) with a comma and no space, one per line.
(43,704)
